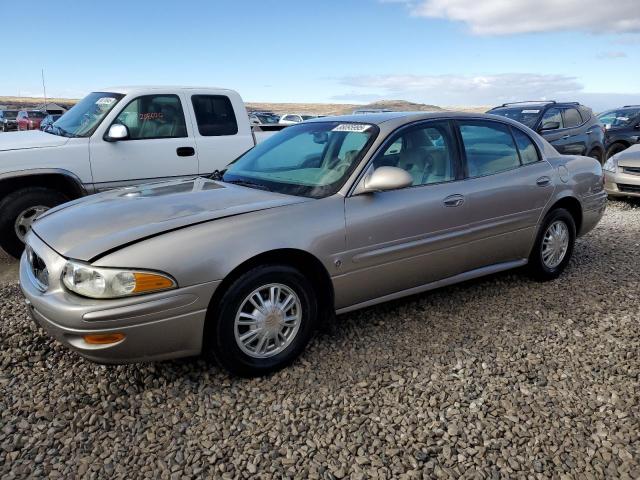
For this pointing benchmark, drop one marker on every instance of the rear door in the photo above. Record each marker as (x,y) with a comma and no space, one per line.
(160,144)
(221,128)
(506,188)
(577,140)
(400,239)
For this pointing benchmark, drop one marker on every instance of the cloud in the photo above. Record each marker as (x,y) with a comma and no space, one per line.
(471,90)
(504,17)
(611,55)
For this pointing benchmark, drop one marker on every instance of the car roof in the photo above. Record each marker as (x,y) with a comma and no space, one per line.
(399,117)
(538,104)
(128,89)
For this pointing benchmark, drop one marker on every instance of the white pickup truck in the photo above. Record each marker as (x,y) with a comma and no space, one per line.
(117,137)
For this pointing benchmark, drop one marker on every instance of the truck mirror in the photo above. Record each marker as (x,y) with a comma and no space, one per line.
(116,132)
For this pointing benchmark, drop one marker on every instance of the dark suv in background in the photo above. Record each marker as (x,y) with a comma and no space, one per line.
(571,128)
(8,120)
(622,128)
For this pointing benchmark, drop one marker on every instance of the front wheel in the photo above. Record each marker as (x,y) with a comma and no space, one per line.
(263,321)
(554,245)
(18,210)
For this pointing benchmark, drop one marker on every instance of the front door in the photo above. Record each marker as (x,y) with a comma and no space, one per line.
(159,146)
(400,239)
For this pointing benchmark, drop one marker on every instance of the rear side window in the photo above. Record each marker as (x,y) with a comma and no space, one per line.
(154,116)
(214,115)
(528,151)
(489,148)
(572,118)
(552,115)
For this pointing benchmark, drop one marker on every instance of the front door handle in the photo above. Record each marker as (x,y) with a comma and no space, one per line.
(186,151)
(453,201)
(543,181)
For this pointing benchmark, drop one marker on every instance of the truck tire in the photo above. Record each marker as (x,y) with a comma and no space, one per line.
(18,209)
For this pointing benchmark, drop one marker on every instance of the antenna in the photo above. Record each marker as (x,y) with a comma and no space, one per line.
(44,89)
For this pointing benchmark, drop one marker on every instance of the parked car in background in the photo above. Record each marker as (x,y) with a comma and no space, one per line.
(293,118)
(622,128)
(47,121)
(264,118)
(364,111)
(328,216)
(571,128)
(117,137)
(30,119)
(622,173)
(8,120)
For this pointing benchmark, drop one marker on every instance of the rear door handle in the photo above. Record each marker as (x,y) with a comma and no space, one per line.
(453,201)
(185,151)
(543,181)
(565,137)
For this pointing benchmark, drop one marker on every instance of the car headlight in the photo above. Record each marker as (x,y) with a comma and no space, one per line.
(611,165)
(97,282)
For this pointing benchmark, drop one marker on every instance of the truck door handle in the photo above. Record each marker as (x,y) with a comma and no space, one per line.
(543,181)
(453,201)
(185,151)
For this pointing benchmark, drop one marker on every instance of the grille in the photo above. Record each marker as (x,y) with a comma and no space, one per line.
(38,269)
(631,170)
(629,188)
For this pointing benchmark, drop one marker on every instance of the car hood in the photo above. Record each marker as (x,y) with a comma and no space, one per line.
(89,227)
(30,139)
(629,157)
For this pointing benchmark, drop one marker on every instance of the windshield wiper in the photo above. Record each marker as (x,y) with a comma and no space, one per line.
(249,183)
(217,174)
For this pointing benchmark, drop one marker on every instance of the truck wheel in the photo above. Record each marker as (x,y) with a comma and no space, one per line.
(18,210)
(263,321)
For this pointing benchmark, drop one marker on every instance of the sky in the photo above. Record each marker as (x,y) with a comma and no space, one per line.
(442,52)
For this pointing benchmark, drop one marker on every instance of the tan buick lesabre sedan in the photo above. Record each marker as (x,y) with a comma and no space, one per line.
(325,217)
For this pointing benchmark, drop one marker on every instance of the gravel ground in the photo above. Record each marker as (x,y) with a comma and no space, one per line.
(500,377)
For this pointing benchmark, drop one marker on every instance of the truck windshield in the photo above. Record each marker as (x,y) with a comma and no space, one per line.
(526,115)
(83,119)
(10,114)
(309,159)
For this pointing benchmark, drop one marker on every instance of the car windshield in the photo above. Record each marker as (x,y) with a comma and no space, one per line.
(309,159)
(37,114)
(526,115)
(266,118)
(83,119)
(11,114)
(618,118)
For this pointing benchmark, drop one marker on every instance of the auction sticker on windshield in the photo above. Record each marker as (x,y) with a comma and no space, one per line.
(351,127)
(105,101)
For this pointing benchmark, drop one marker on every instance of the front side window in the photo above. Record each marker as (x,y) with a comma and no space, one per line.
(426,152)
(572,118)
(154,116)
(309,159)
(489,148)
(528,151)
(551,117)
(215,116)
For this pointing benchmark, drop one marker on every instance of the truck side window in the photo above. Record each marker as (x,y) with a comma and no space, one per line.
(214,115)
(154,116)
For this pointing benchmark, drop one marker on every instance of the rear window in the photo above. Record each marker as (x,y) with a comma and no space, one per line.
(214,115)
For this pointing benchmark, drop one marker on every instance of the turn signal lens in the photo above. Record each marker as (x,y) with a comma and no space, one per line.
(103,338)
(149,282)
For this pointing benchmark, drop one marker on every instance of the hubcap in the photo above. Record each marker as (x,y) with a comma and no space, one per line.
(26,218)
(268,320)
(555,244)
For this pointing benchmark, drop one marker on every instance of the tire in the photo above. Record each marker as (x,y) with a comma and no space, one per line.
(18,202)
(220,336)
(597,154)
(545,270)
(615,148)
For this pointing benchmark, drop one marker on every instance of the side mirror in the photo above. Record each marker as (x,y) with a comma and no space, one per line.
(116,132)
(550,125)
(385,178)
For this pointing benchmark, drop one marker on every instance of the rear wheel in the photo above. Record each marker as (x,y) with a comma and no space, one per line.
(554,245)
(597,154)
(263,321)
(18,210)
